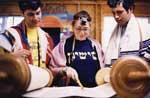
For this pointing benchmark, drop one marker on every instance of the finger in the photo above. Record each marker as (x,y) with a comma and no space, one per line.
(26,52)
(78,82)
(67,81)
(76,78)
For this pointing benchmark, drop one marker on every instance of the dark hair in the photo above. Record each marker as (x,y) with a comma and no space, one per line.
(29,4)
(80,15)
(127,4)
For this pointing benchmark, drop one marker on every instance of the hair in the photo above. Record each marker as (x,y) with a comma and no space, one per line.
(29,4)
(127,4)
(80,14)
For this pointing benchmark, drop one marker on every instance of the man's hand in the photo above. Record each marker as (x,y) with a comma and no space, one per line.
(22,53)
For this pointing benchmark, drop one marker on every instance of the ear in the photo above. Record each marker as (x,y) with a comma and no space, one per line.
(131,9)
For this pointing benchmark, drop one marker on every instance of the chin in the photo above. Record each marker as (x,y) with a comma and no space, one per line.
(82,39)
(121,23)
(35,25)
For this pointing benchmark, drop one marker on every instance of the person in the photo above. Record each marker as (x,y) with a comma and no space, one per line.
(27,39)
(78,57)
(127,37)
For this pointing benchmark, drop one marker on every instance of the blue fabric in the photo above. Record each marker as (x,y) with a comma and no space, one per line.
(148,95)
(22,33)
(84,60)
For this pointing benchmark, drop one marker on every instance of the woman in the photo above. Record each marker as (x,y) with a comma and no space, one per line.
(78,57)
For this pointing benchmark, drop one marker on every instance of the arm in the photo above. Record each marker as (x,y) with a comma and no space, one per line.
(9,40)
(58,63)
(58,59)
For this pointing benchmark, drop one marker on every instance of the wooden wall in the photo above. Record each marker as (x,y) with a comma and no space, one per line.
(96,8)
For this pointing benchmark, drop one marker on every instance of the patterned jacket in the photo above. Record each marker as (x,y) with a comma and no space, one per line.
(14,38)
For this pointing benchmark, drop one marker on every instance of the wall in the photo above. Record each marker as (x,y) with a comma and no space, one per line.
(97,9)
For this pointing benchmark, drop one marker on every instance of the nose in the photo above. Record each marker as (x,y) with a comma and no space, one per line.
(82,32)
(35,16)
(116,16)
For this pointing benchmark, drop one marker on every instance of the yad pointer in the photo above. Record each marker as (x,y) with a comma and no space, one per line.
(79,83)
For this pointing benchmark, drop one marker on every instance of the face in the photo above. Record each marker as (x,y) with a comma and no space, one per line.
(81,32)
(32,17)
(121,15)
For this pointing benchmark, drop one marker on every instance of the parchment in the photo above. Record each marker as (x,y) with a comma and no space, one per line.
(103,91)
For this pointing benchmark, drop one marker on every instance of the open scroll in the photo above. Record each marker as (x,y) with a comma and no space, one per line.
(17,77)
(102,91)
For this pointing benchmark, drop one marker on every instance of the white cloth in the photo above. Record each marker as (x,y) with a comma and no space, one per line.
(4,43)
(18,45)
(128,42)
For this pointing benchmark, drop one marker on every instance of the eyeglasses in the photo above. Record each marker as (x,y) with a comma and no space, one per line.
(32,13)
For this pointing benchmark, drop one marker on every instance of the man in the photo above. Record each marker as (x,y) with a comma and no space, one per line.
(127,35)
(27,39)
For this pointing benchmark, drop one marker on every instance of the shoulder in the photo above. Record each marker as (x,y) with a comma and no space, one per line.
(146,35)
(13,32)
(48,37)
(4,43)
(42,32)
(62,43)
(94,41)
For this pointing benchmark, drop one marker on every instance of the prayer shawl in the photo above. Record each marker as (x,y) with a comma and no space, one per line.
(46,43)
(59,58)
(130,41)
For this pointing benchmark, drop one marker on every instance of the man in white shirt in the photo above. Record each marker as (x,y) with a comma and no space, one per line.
(127,35)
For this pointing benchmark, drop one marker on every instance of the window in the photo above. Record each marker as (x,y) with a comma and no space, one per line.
(8,21)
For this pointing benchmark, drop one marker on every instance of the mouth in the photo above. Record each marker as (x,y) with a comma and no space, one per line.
(82,38)
(35,21)
(118,21)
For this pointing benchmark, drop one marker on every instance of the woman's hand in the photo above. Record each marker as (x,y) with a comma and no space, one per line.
(70,73)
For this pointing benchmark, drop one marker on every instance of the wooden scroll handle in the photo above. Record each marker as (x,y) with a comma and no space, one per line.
(135,76)
(130,77)
(17,77)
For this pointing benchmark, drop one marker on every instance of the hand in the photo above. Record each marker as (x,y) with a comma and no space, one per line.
(71,73)
(145,53)
(22,53)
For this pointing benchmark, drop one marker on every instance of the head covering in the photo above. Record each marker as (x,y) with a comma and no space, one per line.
(83,16)
(29,4)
